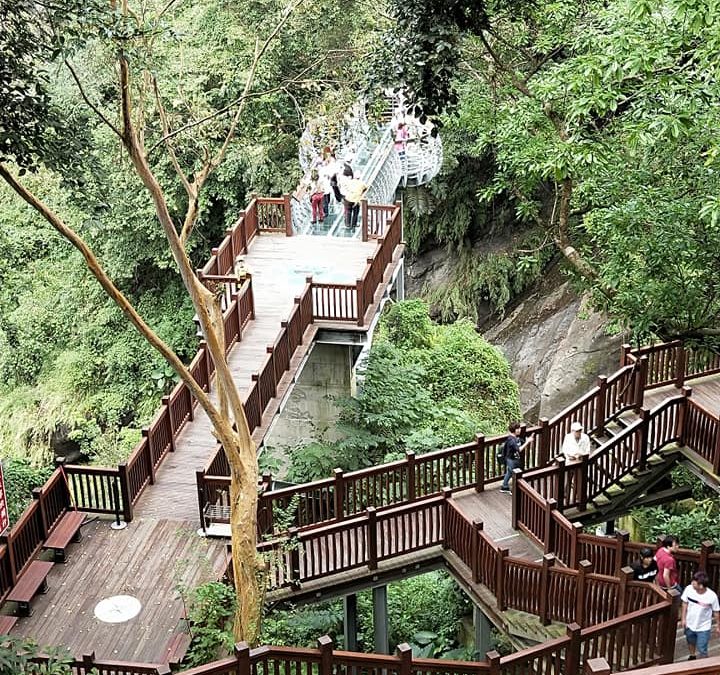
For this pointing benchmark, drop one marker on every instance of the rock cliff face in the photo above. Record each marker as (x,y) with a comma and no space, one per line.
(555,345)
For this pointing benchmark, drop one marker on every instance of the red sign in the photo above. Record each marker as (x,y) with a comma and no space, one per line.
(4,518)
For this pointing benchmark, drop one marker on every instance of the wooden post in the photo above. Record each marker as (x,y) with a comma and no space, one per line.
(288,215)
(404,652)
(584,568)
(640,382)
(166,402)
(294,571)
(37,495)
(672,619)
(596,667)
(479,463)
(325,644)
(716,453)
(475,550)
(200,484)
(359,286)
(624,353)
(410,488)
(339,494)
(148,451)
(493,658)
(364,218)
(275,379)
(447,496)
(643,440)
(560,489)
(680,364)
(624,575)
(517,475)
(706,548)
(544,443)
(572,652)
(88,661)
(682,416)
(550,506)
(125,492)
(502,554)
(621,536)
(548,561)
(600,404)
(372,537)
(575,546)
(242,656)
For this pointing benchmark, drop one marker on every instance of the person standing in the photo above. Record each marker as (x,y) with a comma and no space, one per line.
(576,444)
(512,454)
(401,137)
(645,569)
(353,190)
(699,606)
(316,197)
(667,576)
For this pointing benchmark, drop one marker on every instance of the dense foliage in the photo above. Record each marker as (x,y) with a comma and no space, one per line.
(74,376)
(598,124)
(423,387)
(422,610)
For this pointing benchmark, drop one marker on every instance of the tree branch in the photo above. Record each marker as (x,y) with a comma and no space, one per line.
(94,108)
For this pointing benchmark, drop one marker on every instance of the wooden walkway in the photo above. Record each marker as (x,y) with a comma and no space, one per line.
(279,266)
(705,391)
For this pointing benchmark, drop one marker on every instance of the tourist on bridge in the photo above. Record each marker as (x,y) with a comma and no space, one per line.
(511,454)
(667,576)
(699,606)
(317,196)
(328,170)
(645,569)
(576,444)
(353,190)
(401,138)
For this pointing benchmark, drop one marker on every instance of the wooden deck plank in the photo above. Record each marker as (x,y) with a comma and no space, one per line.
(705,391)
(147,561)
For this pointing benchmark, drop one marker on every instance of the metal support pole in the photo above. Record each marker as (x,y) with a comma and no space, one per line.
(350,622)
(380,620)
(483,629)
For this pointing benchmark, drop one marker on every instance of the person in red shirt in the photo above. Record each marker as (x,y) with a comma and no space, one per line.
(667,576)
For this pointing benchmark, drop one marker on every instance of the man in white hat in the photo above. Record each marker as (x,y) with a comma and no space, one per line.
(576,444)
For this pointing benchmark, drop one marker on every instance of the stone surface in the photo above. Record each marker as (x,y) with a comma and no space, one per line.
(555,345)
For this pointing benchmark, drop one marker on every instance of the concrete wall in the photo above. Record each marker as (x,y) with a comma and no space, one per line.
(310,409)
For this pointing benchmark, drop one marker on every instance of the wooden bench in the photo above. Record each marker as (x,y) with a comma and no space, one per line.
(6,623)
(176,647)
(33,579)
(67,530)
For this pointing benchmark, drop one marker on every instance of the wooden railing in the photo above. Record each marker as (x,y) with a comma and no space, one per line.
(471,465)
(20,544)
(672,363)
(350,302)
(88,665)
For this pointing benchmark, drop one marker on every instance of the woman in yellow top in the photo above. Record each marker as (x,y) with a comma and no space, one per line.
(353,190)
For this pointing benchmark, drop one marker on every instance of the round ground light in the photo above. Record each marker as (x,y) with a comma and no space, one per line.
(117,609)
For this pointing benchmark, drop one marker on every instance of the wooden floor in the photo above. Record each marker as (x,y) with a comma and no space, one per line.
(493,509)
(279,266)
(148,560)
(705,391)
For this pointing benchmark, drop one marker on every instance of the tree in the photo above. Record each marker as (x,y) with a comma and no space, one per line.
(195,136)
(597,119)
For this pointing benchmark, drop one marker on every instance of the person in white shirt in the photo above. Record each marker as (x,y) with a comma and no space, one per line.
(699,606)
(576,444)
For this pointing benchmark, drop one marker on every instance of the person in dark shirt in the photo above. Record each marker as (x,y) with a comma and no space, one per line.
(512,454)
(645,569)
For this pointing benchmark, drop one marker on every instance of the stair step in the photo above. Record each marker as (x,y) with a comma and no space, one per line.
(655,459)
(601,500)
(628,479)
(615,489)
